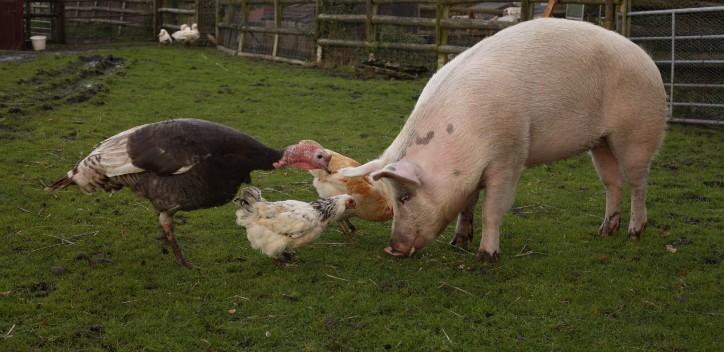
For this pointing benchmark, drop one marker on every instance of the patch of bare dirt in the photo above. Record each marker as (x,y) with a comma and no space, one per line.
(75,82)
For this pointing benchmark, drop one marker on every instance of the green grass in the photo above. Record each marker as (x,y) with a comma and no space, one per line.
(573,293)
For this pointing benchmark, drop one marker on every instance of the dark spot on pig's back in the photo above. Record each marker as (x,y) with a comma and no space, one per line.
(450,128)
(425,140)
(456,172)
(391,168)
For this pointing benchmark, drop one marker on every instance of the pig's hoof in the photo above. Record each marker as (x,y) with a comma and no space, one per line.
(610,225)
(460,241)
(635,234)
(486,257)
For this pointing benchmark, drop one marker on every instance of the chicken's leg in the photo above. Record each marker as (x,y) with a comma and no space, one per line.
(347,227)
(166,221)
(285,259)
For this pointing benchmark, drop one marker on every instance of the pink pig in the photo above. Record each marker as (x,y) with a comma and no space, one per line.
(534,93)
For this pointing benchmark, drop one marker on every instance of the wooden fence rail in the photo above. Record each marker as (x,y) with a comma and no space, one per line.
(232,33)
(119,13)
(172,17)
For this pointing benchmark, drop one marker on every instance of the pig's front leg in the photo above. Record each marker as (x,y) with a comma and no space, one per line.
(464,227)
(499,196)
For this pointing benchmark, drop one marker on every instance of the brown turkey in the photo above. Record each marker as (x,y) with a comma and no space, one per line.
(182,164)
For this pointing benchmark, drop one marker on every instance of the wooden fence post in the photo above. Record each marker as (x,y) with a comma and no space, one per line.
(242,20)
(317,31)
(156,24)
(216,22)
(61,22)
(525,10)
(609,21)
(371,29)
(122,18)
(442,12)
(278,14)
(625,18)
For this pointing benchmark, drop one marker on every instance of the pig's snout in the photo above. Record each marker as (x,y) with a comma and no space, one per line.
(398,249)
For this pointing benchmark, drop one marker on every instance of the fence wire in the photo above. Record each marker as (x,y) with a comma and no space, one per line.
(688,47)
(94,21)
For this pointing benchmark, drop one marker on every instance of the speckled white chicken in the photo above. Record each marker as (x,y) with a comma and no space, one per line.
(277,228)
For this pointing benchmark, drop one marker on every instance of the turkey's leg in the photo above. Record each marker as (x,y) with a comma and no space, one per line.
(166,221)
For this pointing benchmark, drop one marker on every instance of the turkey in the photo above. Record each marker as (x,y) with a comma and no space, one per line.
(181,164)
(277,228)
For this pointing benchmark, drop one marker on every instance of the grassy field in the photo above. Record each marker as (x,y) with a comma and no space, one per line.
(86,273)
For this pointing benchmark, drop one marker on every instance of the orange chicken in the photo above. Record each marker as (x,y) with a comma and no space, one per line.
(371,199)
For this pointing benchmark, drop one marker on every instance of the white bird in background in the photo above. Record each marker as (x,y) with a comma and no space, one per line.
(164,38)
(277,228)
(180,35)
(194,35)
(187,35)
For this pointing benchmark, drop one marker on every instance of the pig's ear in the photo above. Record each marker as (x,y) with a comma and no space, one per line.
(363,170)
(403,171)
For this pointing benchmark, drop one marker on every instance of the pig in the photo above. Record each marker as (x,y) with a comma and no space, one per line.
(534,93)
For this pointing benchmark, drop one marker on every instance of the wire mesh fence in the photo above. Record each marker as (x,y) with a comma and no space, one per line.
(687,45)
(93,21)
(269,29)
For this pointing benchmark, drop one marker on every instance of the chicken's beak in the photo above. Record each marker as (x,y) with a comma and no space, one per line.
(327,160)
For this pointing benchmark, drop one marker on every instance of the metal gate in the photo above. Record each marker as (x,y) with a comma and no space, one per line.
(45,17)
(688,47)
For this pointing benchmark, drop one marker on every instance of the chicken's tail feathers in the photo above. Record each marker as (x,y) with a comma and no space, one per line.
(61,183)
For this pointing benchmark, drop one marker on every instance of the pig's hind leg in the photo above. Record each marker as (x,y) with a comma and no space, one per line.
(500,184)
(610,174)
(636,163)
(635,152)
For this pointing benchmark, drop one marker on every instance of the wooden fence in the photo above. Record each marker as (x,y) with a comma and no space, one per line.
(238,22)
(171,18)
(257,28)
(118,13)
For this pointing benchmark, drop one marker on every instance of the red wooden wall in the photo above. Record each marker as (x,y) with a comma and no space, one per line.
(11,24)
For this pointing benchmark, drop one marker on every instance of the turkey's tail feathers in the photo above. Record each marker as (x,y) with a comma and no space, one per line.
(247,198)
(65,181)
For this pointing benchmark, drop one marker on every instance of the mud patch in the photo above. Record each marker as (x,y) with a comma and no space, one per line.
(17,56)
(391,70)
(75,82)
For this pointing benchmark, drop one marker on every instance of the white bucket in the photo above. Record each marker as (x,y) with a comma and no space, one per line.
(38,42)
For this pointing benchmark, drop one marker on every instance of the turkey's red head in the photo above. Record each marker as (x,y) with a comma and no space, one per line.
(305,156)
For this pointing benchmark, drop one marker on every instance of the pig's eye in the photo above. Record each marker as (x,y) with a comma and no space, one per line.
(404,197)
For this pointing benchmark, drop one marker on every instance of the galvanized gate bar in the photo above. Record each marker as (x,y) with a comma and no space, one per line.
(674,61)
